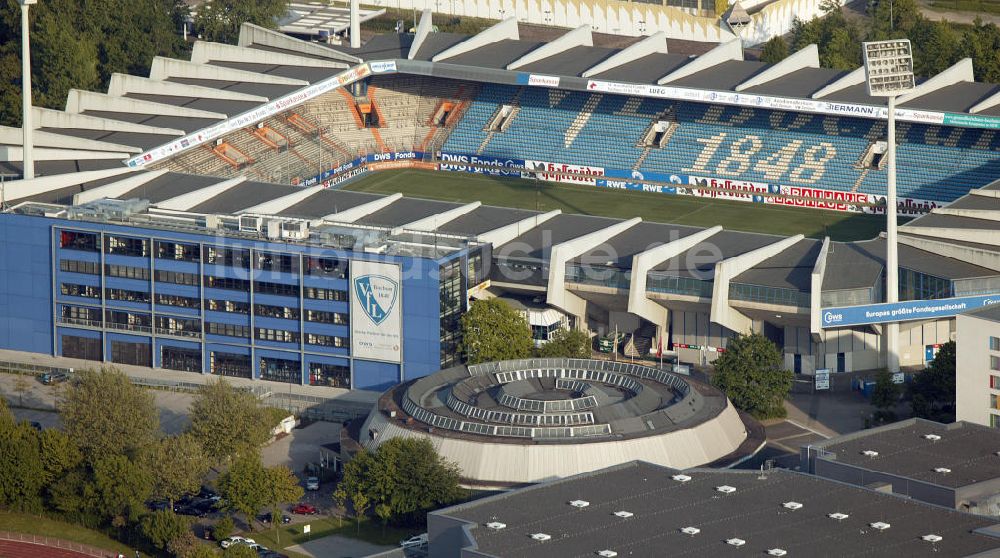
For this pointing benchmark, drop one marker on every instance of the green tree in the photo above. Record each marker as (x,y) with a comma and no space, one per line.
(567,343)
(239,551)
(22,474)
(178,464)
(121,488)
(188,546)
(885,396)
(775,50)
(21,386)
(360,502)
(982,43)
(59,454)
(106,414)
(244,486)
(932,391)
(227,421)
(492,330)
(223,528)
(936,46)
(750,372)
(163,527)
(283,487)
(220,20)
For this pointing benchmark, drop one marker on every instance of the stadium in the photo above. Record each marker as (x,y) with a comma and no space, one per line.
(524,421)
(234,213)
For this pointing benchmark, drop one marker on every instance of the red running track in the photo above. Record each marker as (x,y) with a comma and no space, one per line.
(12,549)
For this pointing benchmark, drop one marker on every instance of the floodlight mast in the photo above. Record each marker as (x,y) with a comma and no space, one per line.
(889,73)
(27,159)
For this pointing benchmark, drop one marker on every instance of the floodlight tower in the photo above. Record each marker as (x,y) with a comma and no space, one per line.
(889,73)
(27,159)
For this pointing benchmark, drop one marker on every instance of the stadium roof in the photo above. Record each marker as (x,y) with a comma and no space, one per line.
(757,513)
(969,452)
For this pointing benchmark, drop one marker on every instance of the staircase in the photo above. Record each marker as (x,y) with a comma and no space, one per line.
(637,346)
(581,119)
(861,178)
(642,158)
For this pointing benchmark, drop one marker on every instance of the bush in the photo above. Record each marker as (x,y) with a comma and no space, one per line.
(163,527)
(223,528)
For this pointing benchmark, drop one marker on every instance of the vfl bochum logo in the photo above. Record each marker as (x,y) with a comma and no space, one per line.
(377,295)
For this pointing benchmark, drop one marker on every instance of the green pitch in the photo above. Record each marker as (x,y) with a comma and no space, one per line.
(588,200)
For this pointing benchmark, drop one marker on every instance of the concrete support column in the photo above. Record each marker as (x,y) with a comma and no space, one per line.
(26,127)
(891,254)
(355,24)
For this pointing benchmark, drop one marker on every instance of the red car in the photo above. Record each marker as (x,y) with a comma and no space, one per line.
(304,509)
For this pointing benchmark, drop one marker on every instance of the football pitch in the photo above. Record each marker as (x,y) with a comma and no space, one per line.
(589,200)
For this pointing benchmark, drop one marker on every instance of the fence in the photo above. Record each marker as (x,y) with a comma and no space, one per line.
(49,542)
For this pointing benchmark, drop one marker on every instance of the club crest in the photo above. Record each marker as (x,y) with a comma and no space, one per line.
(377,295)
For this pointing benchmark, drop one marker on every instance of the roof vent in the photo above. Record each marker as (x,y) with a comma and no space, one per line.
(579,503)
(932,538)
(685,478)
(932,437)
(838,516)
(792,505)
(496,525)
(725,489)
(777,551)
(879,525)
(624,514)
(607,553)
(943,470)
(736,542)
(869,453)
(541,536)
(690,531)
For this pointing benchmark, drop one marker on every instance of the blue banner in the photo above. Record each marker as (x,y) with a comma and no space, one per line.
(458,162)
(631,180)
(903,311)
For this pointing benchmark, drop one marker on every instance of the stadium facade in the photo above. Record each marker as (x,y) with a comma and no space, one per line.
(210,241)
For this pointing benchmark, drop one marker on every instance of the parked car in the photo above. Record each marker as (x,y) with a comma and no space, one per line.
(312,483)
(236,539)
(36,425)
(304,509)
(416,541)
(50,378)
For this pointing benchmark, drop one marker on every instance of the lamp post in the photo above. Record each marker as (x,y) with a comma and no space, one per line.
(889,73)
(28,161)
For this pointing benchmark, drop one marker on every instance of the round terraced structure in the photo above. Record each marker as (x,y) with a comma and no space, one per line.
(522,421)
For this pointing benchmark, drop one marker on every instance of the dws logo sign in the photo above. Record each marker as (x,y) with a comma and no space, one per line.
(376,321)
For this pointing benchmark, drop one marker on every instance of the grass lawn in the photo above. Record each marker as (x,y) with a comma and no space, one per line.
(663,208)
(37,525)
(978,6)
(292,535)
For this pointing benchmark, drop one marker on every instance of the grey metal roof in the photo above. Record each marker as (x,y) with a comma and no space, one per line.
(485,218)
(621,248)
(955,222)
(406,210)
(225,106)
(497,55)
(537,242)
(65,195)
(699,262)
(186,123)
(991,313)
(175,100)
(311,74)
(647,69)
(571,62)
(968,450)
(959,97)
(800,83)
(862,258)
(854,94)
(170,185)
(975,202)
(726,75)
(326,202)
(754,513)
(791,269)
(132,139)
(435,43)
(243,196)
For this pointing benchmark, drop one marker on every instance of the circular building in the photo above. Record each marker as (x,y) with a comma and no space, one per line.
(523,421)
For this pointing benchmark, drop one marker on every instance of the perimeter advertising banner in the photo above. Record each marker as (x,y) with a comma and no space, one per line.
(376,311)
(903,311)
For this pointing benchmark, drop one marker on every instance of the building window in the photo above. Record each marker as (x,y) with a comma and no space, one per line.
(182,327)
(280,370)
(130,321)
(176,277)
(994,362)
(229,330)
(230,364)
(994,401)
(283,263)
(914,285)
(279,335)
(72,240)
(227,283)
(85,291)
(77,266)
(81,347)
(995,343)
(323,317)
(177,251)
(331,375)
(232,306)
(331,268)
(126,272)
(841,362)
(283,312)
(126,295)
(325,340)
(80,315)
(994,382)
(176,358)
(124,246)
(137,354)
(452,302)
(232,257)
(281,289)
(325,294)
(995,421)
(178,301)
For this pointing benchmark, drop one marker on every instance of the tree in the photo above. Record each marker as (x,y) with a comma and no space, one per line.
(178,464)
(384,512)
(239,551)
(492,330)
(283,487)
(885,396)
(567,343)
(59,454)
(982,43)
(163,527)
(405,474)
(223,528)
(360,502)
(932,391)
(220,20)
(22,475)
(121,488)
(186,545)
(750,373)
(226,420)
(243,486)
(775,50)
(21,386)
(106,414)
